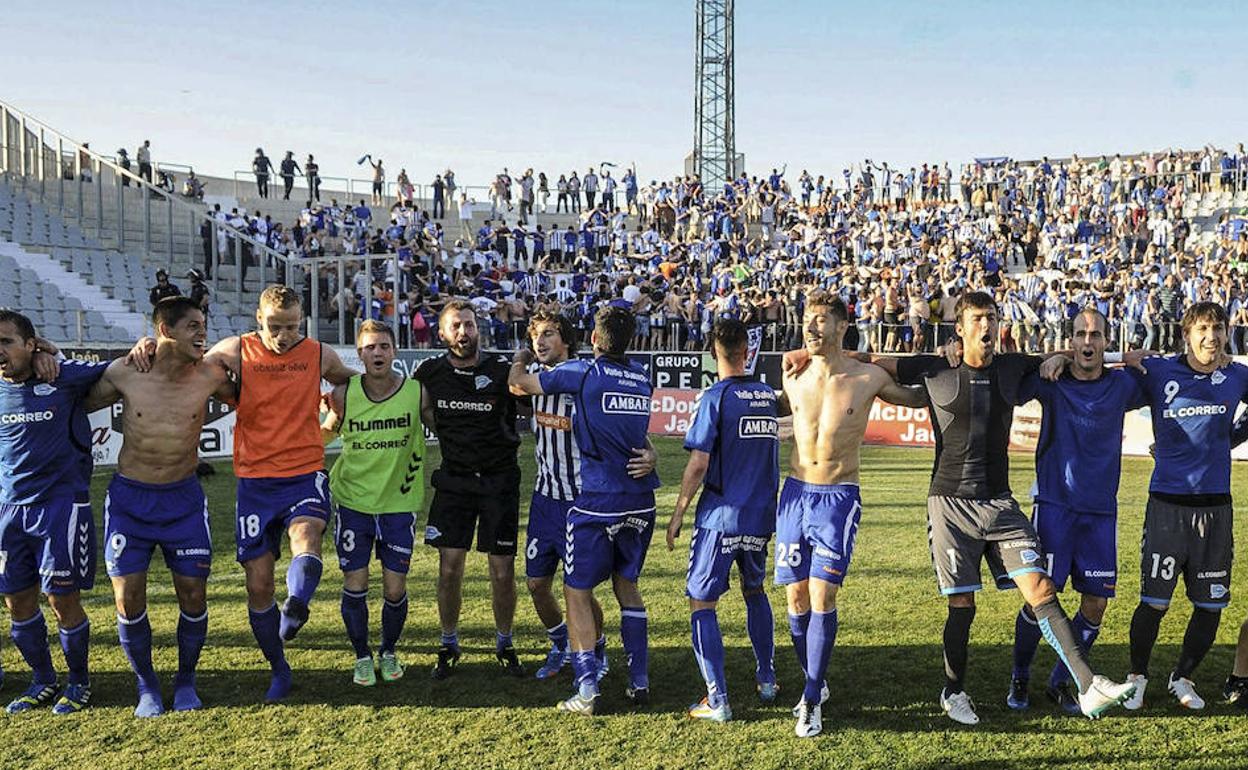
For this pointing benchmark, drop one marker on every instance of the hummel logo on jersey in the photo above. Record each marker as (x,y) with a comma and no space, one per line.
(387,423)
(625,403)
(757,427)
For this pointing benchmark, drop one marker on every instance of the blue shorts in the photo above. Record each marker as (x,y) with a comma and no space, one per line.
(265,508)
(1080,546)
(606,535)
(51,543)
(815,529)
(139,517)
(357,534)
(711,556)
(548,521)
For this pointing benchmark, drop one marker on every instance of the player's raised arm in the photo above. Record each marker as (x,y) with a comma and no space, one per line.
(104,392)
(333,370)
(519,380)
(690,482)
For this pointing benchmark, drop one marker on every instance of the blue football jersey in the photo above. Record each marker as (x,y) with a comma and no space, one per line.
(1192,416)
(41,435)
(735,423)
(1079,454)
(611,418)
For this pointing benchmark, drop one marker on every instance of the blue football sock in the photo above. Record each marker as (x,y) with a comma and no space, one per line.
(585,671)
(600,647)
(355,618)
(761,625)
(75,642)
(451,638)
(1026,641)
(303,576)
(558,636)
(136,641)
(265,626)
(798,624)
(821,637)
(634,637)
(708,648)
(502,640)
(1086,633)
(30,636)
(393,617)
(192,631)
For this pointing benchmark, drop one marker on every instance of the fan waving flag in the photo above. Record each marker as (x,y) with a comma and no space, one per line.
(755,343)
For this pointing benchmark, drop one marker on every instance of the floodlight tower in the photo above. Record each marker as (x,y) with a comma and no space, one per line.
(714,156)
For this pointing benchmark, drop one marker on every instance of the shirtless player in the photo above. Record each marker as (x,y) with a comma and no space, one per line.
(819,505)
(155,498)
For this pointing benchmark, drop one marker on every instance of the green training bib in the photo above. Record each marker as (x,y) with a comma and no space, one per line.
(382,465)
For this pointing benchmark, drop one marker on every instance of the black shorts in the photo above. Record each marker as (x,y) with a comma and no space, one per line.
(962,533)
(1197,543)
(463,503)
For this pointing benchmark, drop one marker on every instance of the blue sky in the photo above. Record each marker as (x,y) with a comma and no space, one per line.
(559,84)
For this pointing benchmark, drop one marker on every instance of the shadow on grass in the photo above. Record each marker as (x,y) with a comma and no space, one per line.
(873,688)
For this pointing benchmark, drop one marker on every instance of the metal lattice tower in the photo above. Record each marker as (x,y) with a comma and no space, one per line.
(714,135)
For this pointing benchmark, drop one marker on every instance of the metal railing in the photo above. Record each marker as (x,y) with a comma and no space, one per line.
(33,154)
(350,188)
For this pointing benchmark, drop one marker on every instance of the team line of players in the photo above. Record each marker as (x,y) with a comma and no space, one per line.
(593,511)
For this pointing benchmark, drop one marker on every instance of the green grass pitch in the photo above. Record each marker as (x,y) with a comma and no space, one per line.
(885,673)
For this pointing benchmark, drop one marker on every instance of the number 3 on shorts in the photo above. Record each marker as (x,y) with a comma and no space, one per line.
(249,526)
(348,540)
(4,561)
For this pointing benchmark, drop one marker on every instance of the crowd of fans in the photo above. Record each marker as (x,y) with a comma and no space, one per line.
(899,246)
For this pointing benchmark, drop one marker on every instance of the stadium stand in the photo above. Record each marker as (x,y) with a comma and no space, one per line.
(1138,235)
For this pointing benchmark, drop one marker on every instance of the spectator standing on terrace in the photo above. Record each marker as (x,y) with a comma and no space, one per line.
(465,217)
(561,201)
(543,190)
(448,176)
(379,179)
(288,168)
(123,160)
(312,172)
(590,183)
(439,197)
(261,166)
(144,157)
(526,196)
(405,187)
(574,192)
(608,193)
